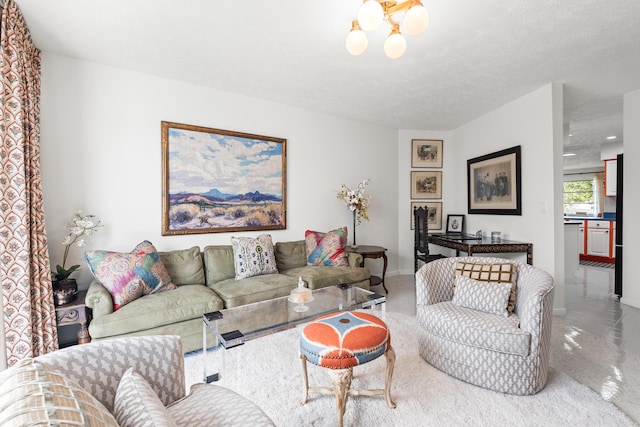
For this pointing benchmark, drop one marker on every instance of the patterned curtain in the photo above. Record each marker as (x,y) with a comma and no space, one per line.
(27,294)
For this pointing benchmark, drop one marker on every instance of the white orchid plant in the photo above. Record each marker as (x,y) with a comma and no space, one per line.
(356,200)
(80,228)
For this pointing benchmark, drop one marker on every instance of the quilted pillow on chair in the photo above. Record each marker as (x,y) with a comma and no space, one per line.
(327,248)
(128,276)
(253,257)
(499,273)
(489,297)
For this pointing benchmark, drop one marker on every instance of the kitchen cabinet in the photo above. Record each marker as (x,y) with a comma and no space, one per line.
(610,171)
(581,239)
(598,242)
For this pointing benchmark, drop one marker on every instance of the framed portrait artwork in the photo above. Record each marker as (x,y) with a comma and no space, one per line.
(216,181)
(426,153)
(426,184)
(434,215)
(455,223)
(494,183)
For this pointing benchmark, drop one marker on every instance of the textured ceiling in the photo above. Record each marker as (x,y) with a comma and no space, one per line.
(474,57)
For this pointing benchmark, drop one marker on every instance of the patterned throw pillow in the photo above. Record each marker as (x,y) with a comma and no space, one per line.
(35,394)
(490,297)
(327,248)
(500,273)
(253,257)
(128,276)
(137,405)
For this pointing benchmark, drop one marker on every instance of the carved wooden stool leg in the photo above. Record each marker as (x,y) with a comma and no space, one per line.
(390,355)
(305,379)
(341,379)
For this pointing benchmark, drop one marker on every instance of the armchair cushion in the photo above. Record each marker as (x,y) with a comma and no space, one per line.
(137,405)
(491,272)
(489,297)
(34,394)
(475,328)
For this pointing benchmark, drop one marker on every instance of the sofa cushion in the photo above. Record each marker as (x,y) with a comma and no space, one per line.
(128,276)
(137,405)
(327,248)
(184,266)
(290,255)
(475,328)
(184,303)
(500,273)
(253,256)
(253,289)
(218,263)
(320,277)
(490,297)
(33,393)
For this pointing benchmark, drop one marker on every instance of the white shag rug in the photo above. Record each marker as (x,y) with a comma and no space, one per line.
(267,371)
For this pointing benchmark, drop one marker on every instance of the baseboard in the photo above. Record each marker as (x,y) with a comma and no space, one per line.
(632,303)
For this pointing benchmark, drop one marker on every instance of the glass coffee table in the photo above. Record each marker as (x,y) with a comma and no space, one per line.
(233,326)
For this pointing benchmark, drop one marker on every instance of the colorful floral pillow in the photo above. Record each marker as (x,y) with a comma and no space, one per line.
(327,248)
(253,257)
(128,276)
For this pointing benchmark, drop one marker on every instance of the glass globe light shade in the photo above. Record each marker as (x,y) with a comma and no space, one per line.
(370,15)
(356,42)
(415,20)
(395,45)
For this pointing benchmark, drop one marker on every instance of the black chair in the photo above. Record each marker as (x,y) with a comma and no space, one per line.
(420,244)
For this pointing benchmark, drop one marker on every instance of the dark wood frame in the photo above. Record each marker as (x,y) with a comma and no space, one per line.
(508,199)
(262,211)
(417,162)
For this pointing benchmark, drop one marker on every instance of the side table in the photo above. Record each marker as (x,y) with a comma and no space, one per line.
(373,252)
(75,313)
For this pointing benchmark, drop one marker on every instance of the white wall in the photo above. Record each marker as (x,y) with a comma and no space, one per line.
(101,152)
(631,202)
(534,122)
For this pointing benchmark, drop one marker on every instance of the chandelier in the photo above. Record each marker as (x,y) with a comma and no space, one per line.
(371,15)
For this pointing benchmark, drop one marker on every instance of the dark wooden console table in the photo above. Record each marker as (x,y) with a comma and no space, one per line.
(484,246)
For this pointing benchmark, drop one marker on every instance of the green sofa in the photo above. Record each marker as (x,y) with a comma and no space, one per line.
(206,282)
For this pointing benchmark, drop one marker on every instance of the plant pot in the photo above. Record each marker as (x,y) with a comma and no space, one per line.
(64,291)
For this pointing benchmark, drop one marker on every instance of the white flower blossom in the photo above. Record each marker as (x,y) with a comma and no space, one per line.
(356,201)
(79,227)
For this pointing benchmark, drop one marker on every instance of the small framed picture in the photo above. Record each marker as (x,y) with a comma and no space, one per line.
(455,223)
(434,215)
(426,185)
(426,153)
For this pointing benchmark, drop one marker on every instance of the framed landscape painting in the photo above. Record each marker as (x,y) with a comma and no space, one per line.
(426,185)
(217,181)
(434,214)
(426,153)
(494,183)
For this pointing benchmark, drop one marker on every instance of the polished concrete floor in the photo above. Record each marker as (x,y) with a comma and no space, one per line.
(597,342)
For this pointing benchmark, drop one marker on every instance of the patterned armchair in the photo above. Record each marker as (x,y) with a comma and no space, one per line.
(507,353)
(98,368)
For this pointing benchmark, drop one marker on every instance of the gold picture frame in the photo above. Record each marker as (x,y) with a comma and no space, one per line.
(434,215)
(216,181)
(426,153)
(426,184)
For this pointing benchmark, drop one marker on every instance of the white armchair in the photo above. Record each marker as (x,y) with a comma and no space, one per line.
(507,354)
(99,366)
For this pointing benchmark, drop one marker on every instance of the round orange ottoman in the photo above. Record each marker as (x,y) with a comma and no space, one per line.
(339,342)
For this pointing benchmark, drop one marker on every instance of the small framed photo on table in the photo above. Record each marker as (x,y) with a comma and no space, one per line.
(455,223)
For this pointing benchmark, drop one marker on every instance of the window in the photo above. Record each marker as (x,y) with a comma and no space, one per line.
(578,197)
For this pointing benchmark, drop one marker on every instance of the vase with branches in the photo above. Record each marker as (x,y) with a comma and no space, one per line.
(357,202)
